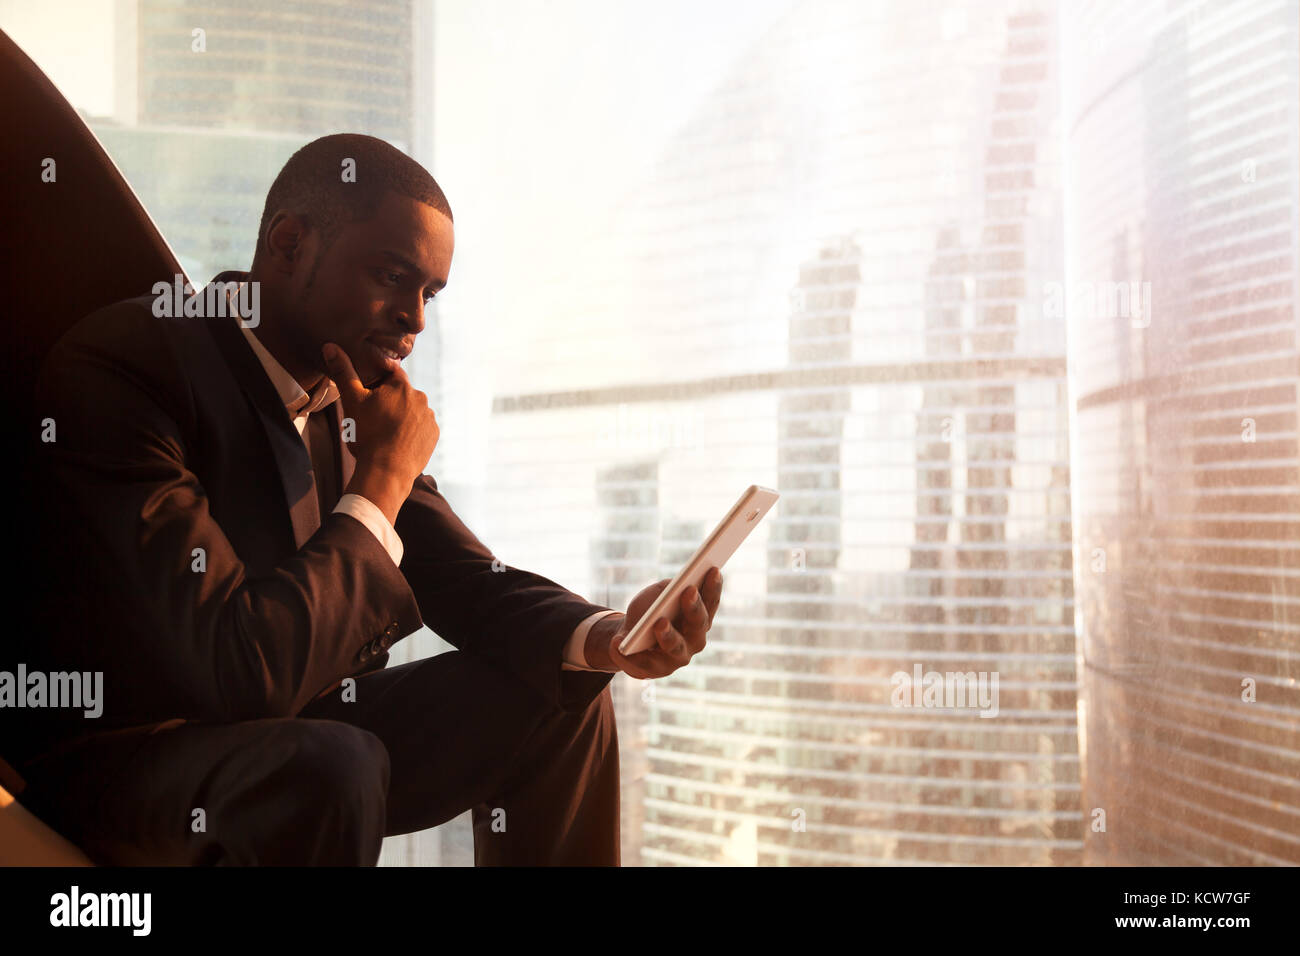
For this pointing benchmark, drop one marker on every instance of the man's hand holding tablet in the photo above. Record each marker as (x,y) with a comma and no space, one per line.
(677,641)
(666,624)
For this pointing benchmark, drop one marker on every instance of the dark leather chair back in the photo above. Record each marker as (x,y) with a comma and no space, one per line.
(67,247)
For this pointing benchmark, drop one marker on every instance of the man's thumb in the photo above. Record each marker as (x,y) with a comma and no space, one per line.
(342,373)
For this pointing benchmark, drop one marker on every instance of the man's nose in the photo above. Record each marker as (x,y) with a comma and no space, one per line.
(410,315)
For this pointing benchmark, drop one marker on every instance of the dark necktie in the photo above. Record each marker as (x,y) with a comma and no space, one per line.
(321,437)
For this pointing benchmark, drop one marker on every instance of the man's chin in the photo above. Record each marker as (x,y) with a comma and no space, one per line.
(373,367)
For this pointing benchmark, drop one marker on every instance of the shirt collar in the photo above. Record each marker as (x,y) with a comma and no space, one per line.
(296,400)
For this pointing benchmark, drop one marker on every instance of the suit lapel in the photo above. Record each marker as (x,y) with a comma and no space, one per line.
(291,458)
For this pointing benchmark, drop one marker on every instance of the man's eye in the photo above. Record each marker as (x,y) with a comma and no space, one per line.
(428,297)
(392,277)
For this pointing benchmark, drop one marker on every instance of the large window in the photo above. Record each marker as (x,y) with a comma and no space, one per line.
(1001,297)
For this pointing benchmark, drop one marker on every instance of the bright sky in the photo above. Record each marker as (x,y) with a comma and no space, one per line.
(72,42)
(547,113)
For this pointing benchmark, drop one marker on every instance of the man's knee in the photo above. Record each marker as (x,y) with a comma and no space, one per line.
(592,727)
(324,797)
(334,757)
(334,766)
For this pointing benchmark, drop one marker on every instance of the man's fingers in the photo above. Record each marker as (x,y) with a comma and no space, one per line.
(655,661)
(342,374)
(397,375)
(695,620)
(712,592)
(679,634)
(628,665)
(650,665)
(671,641)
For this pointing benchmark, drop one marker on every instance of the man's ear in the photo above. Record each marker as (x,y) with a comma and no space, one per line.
(285,240)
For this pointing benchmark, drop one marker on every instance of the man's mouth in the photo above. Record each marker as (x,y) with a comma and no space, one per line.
(389,352)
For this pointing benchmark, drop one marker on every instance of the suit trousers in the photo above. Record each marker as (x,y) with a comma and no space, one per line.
(421,743)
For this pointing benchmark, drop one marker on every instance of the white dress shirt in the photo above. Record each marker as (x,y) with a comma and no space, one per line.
(300,404)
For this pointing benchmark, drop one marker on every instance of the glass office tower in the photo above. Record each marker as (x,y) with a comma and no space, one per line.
(212,96)
(1181,123)
(331,65)
(831,285)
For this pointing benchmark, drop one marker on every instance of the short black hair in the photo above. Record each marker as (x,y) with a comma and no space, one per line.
(312,184)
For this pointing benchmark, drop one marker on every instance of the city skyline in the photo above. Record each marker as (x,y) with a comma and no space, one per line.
(913,311)
(1188,541)
(1004,305)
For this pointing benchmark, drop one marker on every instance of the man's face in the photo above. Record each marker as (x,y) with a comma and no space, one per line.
(371,286)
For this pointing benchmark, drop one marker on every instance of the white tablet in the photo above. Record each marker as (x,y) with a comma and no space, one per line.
(743,518)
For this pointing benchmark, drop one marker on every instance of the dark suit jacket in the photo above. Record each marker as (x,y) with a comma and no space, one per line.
(171,438)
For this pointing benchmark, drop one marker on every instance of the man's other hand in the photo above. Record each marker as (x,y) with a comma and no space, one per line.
(678,639)
(395,431)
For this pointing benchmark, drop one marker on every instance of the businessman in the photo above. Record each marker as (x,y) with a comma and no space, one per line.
(239,528)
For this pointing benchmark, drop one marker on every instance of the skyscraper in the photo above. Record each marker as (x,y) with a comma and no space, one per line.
(330,66)
(212,96)
(832,285)
(1184,193)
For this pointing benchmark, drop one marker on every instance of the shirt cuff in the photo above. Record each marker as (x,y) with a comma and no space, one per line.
(368,513)
(575,657)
